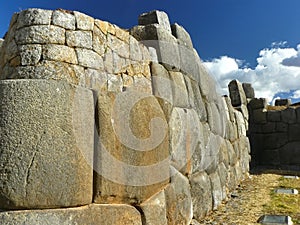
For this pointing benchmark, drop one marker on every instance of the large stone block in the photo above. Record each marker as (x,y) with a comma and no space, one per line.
(217,193)
(182,36)
(155,17)
(198,101)
(163,42)
(33,16)
(283,102)
(179,90)
(154,210)
(46,144)
(178,199)
(184,138)
(290,154)
(63,19)
(258,103)
(132,157)
(201,194)
(288,116)
(248,89)
(237,94)
(93,214)
(274,116)
(294,132)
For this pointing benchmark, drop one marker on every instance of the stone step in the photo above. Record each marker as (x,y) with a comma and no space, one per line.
(275,220)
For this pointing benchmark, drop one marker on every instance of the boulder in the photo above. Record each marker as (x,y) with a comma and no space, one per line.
(47,144)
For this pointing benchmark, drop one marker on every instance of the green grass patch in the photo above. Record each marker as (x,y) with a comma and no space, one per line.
(285,204)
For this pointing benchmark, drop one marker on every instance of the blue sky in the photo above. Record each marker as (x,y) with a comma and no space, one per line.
(244,39)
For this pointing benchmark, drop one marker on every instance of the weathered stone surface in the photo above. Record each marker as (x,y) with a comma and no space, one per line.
(30,54)
(131,160)
(248,89)
(155,17)
(92,214)
(84,22)
(184,138)
(89,58)
(274,116)
(45,117)
(99,40)
(216,119)
(142,84)
(201,194)
(217,194)
(240,122)
(198,102)
(42,34)
(259,116)
(288,116)
(163,42)
(34,17)
(78,38)
(63,19)
(294,132)
(237,94)
(223,175)
(162,87)
(60,53)
(179,90)
(178,199)
(188,62)
(182,35)
(283,102)
(289,153)
(118,46)
(154,210)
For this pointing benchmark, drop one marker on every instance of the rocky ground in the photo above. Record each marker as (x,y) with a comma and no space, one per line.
(251,200)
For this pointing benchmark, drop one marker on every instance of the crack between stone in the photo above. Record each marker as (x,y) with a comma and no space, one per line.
(30,164)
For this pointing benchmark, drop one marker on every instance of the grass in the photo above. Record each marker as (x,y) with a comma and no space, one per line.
(285,204)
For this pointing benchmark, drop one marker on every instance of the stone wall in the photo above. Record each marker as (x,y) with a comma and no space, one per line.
(105,125)
(275,135)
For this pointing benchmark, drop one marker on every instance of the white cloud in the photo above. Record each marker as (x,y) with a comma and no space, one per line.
(296,94)
(270,76)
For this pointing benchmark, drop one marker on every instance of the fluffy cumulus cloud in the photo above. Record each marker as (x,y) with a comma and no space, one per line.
(277,71)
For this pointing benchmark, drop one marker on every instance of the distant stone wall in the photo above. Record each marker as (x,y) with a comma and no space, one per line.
(275,135)
(137,107)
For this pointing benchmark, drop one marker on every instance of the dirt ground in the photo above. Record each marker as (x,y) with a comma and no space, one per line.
(247,203)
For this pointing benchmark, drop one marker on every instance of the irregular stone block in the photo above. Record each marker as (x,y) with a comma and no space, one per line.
(274,116)
(155,17)
(33,16)
(99,40)
(258,103)
(84,22)
(60,53)
(289,115)
(30,54)
(259,116)
(269,157)
(163,42)
(1,42)
(162,87)
(154,210)
(78,38)
(188,62)
(248,89)
(237,94)
(216,119)
(275,140)
(289,154)
(47,149)
(294,132)
(198,101)
(91,214)
(178,199)
(89,58)
(184,138)
(182,35)
(283,102)
(41,34)
(223,175)
(281,127)
(179,90)
(201,194)
(117,46)
(216,190)
(132,157)
(135,50)
(63,19)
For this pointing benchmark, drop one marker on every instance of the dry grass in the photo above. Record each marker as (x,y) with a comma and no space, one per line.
(256,197)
